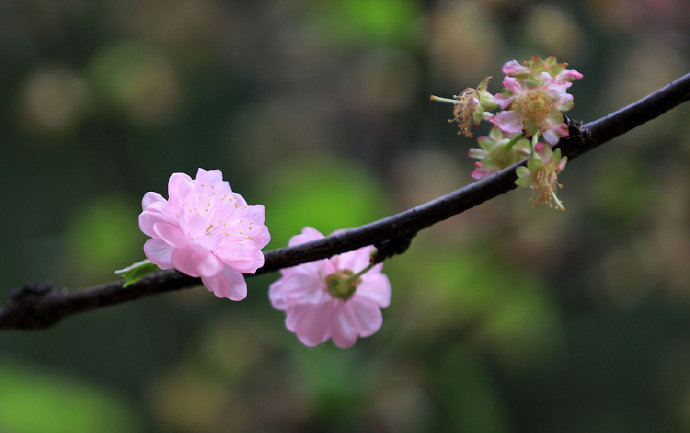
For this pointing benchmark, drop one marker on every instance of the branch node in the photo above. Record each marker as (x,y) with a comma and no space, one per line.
(35,290)
(390,247)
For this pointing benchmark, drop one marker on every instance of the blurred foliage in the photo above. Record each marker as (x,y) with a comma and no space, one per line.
(504,319)
(327,194)
(36,402)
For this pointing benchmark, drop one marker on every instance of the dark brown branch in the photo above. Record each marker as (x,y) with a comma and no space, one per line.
(35,307)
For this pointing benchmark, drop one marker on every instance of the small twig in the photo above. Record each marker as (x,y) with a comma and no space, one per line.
(34,307)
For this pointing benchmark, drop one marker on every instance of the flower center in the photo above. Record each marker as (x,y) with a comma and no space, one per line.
(535,107)
(342,284)
(463,110)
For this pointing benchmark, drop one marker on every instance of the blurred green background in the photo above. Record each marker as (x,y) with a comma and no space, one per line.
(504,319)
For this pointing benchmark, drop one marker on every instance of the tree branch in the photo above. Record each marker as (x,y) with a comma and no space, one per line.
(40,306)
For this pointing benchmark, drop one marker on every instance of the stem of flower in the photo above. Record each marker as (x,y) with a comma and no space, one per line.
(533,144)
(439,99)
(511,143)
(363,271)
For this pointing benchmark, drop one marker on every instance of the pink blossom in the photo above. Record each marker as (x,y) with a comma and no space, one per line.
(535,97)
(328,299)
(205,230)
(496,153)
(541,175)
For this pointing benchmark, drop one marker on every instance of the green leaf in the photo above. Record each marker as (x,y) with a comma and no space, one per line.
(136,271)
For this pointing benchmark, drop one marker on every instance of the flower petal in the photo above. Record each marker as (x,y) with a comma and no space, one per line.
(147,219)
(159,253)
(503,101)
(355,261)
(179,185)
(170,233)
(550,136)
(208,177)
(367,313)
(512,84)
(569,75)
(514,68)
(189,260)
(314,322)
(308,234)
(376,287)
(344,328)
(303,288)
(510,122)
(150,198)
(227,284)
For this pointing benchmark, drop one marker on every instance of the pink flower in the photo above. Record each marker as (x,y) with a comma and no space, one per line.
(329,299)
(541,175)
(205,230)
(497,152)
(535,97)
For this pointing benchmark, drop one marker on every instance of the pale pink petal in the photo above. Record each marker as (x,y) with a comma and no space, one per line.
(512,84)
(377,287)
(170,233)
(187,260)
(159,253)
(569,75)
(503,101)
(150,198)
(314,323)
(240,200)
(545,77)
(179,184)
(208,177)
(477,153)
(555,132)
(210,266)
(308,234)
(195,224)
(550,136)
(514,68)
(356,260)
(510,122)
(563,102)
(254,214)
(275,294)
(319,267)
(480,172)
(302,288)
(228,284)
(293,314)
(147,219)
(247,265)
(344,329)
(367,313)
(237,249)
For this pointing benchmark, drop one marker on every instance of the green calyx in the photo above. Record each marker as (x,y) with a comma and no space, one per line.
(342,284)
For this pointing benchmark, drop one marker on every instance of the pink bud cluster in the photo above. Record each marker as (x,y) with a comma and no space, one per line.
(531,105)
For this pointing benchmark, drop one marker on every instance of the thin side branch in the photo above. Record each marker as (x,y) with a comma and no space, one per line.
(34,307)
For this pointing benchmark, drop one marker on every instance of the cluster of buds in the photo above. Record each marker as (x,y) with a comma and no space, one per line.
(531,105)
